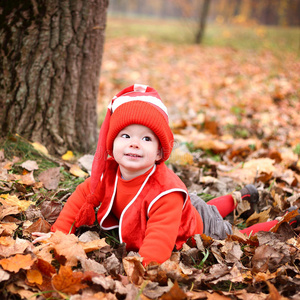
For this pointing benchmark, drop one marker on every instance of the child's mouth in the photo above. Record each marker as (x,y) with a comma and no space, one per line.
(133,155)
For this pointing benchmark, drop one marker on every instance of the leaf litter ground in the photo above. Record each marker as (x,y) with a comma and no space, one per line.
(235,119)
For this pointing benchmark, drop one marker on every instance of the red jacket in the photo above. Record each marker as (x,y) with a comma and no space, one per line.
(133,221)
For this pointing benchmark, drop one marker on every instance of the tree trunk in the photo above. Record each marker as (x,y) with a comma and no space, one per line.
(50,61)
(202,23)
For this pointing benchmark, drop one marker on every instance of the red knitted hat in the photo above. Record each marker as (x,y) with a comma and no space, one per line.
(137,104)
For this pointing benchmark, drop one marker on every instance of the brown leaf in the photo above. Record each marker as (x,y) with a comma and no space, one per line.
(153,290)
(23,292)
(8,210)
(232,251)
(45,268)
(7,228)
(33,213)
(68,246)
(40,225)
(26,179)
(17,262)
(287,218)
(90,265)
(9,246)
(134,269)
(67,281)
(30,165)
(50,178)
(266,258)
(51,210)
(47,271)
(258,217)
(175,293)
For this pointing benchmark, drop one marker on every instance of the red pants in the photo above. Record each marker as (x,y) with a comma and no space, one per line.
(225,206)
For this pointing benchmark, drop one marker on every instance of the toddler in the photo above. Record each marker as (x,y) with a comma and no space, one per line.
(137,193)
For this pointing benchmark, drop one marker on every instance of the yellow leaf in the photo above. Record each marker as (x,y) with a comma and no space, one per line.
(93,245)
(39,147)
(181,156)
(14,201)
(34,276)
(76,171)
(68,155)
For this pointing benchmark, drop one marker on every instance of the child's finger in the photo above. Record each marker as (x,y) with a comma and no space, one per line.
(37,233)
(41,236)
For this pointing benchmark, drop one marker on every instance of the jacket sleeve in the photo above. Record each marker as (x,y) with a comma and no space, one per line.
(162,228)
(68,214)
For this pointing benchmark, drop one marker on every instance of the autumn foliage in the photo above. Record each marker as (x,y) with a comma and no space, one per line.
(235,115)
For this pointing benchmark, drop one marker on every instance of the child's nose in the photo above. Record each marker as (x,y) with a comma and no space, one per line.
(134,143)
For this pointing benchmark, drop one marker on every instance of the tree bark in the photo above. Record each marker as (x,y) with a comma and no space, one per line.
(50,61)
(202,21)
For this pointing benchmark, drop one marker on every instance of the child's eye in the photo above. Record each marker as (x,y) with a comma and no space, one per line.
(147,139)
(125,136)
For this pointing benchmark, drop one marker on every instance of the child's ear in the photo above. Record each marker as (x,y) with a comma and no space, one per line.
(159,154)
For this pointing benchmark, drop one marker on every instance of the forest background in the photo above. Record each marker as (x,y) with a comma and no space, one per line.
(234,109)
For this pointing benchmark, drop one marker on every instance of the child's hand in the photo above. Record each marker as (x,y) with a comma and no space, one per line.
(41,236)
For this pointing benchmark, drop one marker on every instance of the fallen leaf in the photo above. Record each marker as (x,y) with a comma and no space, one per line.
(93,245)
(7,228)
(13,200)
(67,281)
(9,246)
(211,144)
(39,147)
(34,276)
(26,179)
(273,293)
(68,246)
(134,269)
(68,155)
(17,262)
(175,293)
(86,162)
(8,210)
(4,275)
(90,265)
(30,165)
(2,156)
(22,292)
(40,225)
(258,217)
(181,156)
(76,171)
(50,178)
(50,210)
(287,217)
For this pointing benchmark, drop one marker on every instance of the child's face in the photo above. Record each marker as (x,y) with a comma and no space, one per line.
(136,148)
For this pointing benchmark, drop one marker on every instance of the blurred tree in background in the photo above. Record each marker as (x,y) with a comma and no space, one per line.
(265,12)
(196,14)
(50,61)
